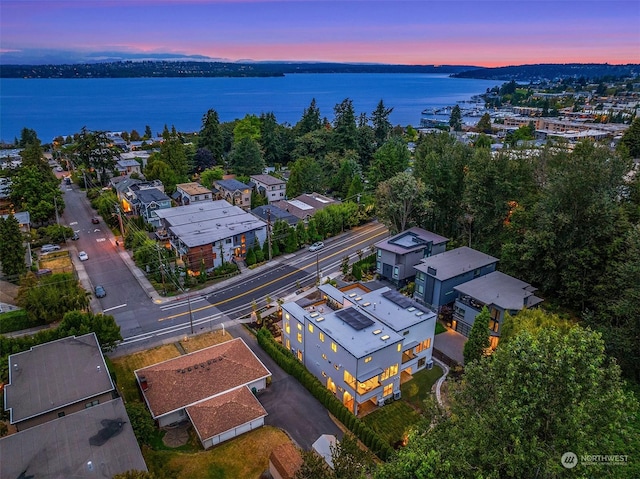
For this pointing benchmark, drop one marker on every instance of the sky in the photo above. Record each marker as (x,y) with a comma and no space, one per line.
(419,32)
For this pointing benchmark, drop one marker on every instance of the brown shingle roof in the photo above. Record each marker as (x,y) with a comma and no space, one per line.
(182,381)
(224,412)
(286,459)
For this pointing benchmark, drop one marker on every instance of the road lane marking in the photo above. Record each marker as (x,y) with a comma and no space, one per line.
(286,275)
(100,240)
(114,307)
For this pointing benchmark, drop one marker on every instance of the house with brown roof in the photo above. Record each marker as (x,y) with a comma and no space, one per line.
(284,461)
(213,388)
(187,193)
(272,188)
(305,205)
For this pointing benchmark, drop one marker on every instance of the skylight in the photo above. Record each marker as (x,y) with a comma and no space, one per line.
(377,331)
(385,337)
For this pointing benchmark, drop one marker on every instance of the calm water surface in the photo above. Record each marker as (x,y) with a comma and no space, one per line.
(55,107)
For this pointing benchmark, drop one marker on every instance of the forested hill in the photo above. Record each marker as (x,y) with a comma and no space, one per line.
(130,69)
(552,71)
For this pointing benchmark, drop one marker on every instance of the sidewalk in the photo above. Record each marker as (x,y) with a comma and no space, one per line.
(158,299)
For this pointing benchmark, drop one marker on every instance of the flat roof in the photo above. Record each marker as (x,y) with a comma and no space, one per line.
(93,442)
(55,374)
(454,262)
(267,180)
(395,310)
(500,289)
(193,188)
(410,240)
(183,381)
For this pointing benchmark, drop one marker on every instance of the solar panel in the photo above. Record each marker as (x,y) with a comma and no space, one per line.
(354,318)
(398,298)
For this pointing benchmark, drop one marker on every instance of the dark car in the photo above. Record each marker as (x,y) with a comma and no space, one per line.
(100,292)
(95,220)
(75,236)
(43,272)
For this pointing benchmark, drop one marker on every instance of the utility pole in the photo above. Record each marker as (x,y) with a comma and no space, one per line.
(317,268)
(190,312)
(269,230)
(161,265)
(120,221)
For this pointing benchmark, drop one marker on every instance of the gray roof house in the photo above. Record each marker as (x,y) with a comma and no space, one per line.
(271,214)
(272,188)
(396,256)
(148,201)
(305,205)
(438,275)
(234,192)
(211,231)
(126,167)
(55,379)
(500,293)
(94,442)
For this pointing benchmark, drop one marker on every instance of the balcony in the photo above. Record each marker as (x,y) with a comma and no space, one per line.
(469,301)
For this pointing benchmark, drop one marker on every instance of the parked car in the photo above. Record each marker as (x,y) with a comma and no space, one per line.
(75,236)
(95,220)
(316,246)
(48,248)
(43,272)
(100,292)
(83,256)
(67,180)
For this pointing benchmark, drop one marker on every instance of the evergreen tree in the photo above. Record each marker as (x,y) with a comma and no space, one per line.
(310,120)
(391,159)
(455,120)
(381,124)
(246,158)
(344,127)
(478,342)
(172,152)
(12,250)
(306,177)
(484,125)
(631,139)
(210,136)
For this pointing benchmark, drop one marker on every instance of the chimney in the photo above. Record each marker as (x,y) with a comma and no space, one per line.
(144,385)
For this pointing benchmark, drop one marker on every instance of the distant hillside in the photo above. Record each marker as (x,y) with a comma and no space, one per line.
(551,71)
(133,69)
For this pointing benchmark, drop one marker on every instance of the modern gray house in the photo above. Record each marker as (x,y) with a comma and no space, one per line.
(361,344)
(438,275)
(500,293)
(396,256)
(147,202)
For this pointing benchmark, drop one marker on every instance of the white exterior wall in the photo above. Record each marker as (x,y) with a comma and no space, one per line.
(418,333)
(235,432)
(172,418)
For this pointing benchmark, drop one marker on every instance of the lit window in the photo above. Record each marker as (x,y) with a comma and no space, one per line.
(388,390)
(287,327)
(299,355)
(287,316)
(310,328)
(321,334)
(366,360)
(300,338)
(334,347)
(299,327)
(349,380)
(288,344)
(324,356)
(399,347)
(324,375)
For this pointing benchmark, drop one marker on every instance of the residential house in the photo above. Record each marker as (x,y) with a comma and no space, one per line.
(304,206)
(396,256)
(54,379)
(94,442)
(500,293)
(147,202)
(438,275)
(272,188)
(127,167)
(271,214)
(359,343)
(210,232)
(187,193)
(127,191)
(234,192)
(213,388)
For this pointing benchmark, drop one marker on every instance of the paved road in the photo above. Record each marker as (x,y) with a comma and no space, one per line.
(290,406)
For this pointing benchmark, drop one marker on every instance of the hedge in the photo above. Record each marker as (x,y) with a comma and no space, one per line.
(288,362)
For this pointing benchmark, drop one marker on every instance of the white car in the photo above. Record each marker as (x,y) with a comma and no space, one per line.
(316,246)
(83,256)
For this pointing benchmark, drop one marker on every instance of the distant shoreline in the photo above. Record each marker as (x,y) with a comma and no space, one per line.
(199,69)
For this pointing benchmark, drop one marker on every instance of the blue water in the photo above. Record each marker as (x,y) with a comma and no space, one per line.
(55,107)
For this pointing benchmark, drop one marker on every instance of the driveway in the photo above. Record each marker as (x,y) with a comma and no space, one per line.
(290,406)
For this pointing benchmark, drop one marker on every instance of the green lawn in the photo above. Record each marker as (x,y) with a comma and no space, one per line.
(440,328)
(419,388)
(392,421)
